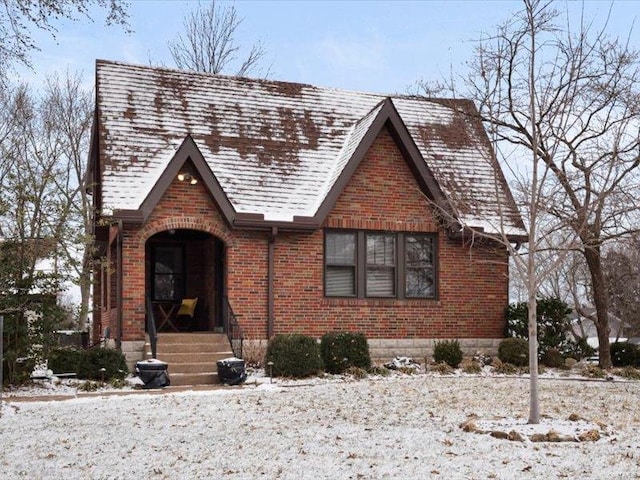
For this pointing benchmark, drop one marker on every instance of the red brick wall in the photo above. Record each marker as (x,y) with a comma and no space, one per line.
(382,195)
(183,206)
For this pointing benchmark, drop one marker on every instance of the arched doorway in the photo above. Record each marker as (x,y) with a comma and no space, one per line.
(185,264)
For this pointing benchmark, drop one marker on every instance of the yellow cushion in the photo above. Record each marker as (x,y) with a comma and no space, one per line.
(188,306)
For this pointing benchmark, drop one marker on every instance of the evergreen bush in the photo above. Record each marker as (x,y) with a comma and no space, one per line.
(553,323)
(343,350)
(449,352)
(293,355)
(552,358)
(514,351)
(87,364)
(624,354)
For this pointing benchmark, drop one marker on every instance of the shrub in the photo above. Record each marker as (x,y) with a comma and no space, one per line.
(357,372)
(64,360)
(630,373)
(294,355)
(553,323)
(448,352)
(441,368)
(343,350)
(579,349)
(498,366)
(87,364)
(592,371)
(379,370)
(253,352)
(472,367)
(624,354)
(552,358)
(514,351)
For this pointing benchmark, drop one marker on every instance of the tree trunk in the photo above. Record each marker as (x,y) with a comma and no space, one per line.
(534,404)
(594,263)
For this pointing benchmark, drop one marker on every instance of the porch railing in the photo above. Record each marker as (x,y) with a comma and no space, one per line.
(233,329)
(151,327)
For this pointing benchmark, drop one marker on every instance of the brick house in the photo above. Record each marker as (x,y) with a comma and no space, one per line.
(297,208)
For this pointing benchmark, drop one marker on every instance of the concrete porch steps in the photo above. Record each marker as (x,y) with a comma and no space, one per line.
(192,357)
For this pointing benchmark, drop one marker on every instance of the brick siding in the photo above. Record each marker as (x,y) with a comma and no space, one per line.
(382,195)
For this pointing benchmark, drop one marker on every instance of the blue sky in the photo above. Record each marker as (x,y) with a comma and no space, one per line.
(363,45)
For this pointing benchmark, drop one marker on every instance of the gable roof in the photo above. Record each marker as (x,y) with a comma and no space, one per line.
(281,152)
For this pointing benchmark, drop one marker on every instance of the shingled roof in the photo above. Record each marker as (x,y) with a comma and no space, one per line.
(276,151)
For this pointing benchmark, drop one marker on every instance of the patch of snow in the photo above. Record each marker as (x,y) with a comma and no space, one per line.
(332,427)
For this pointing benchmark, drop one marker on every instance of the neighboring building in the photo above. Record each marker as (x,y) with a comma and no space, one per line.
(304,209)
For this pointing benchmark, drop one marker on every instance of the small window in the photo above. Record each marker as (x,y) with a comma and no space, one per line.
(419,266)
(340,264)
(381,265)
(168,273)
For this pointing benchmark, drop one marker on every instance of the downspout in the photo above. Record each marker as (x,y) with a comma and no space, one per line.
(119,284)
(270,274)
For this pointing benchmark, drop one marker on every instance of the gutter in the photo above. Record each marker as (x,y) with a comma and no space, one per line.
(270,281)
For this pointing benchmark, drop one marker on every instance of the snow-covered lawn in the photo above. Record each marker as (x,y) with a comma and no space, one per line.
(401,427)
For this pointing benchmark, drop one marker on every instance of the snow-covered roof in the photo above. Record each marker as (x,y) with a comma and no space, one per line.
(278,148)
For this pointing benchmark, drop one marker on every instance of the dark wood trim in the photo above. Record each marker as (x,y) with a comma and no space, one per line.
(399,266)
(270,282)
(389,117)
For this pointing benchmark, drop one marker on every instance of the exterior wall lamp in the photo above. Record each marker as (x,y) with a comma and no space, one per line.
(187,177)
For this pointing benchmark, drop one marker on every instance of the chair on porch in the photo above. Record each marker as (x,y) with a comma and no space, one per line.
(187,310)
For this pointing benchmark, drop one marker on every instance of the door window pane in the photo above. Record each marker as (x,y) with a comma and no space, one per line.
(168,273)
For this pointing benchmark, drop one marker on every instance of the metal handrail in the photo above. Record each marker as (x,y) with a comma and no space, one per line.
(151,327)
(232,328)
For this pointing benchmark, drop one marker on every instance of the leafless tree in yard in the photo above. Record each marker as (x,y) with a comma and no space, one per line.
(19,17)
(70,108)
(209,43)
(42,199)
(621,265)
(576,110)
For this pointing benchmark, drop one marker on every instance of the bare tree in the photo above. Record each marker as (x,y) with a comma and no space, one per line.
(18,17)
(576,110)
(69,107)
(621,265)
(208,43)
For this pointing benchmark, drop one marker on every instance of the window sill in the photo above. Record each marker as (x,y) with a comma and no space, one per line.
(380,302)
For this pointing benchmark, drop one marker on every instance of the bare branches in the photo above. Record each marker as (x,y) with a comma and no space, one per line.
(582,122)
(208,43)
(42,159)
(18,17)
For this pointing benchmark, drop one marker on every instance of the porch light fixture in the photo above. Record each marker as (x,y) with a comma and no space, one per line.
(187,177)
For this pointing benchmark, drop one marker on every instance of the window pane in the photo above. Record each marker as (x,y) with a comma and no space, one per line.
(419,283)
(340,281)
(380,282)
(419,251)
(168,287)
(381,249)
(420,271)
(168,260)
(168,273)
(341,248)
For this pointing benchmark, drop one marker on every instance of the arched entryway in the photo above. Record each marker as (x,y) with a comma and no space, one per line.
(185,264)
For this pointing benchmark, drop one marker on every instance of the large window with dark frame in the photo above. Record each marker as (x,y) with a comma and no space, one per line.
(380,264)
(168,272)
(340,264)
